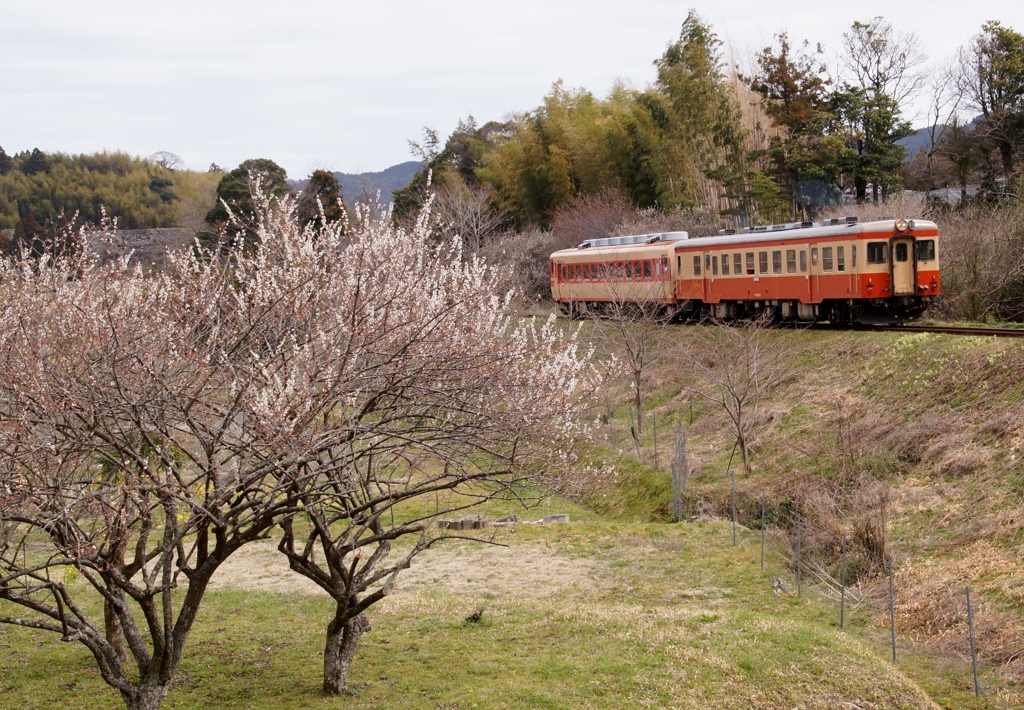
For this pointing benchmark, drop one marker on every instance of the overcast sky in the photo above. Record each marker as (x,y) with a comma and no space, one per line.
(344,85)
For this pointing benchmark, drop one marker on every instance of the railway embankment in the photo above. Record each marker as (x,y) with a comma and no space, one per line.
(901,446)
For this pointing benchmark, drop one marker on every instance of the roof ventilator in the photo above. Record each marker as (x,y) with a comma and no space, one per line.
(779,227)
(634,239)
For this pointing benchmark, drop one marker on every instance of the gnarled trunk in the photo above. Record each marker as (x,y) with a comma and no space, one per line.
(114,632)
(342,641)
(145,697)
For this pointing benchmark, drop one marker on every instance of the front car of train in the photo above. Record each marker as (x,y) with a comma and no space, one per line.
(842,271)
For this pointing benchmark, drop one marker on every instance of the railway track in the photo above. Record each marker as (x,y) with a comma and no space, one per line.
(949,329)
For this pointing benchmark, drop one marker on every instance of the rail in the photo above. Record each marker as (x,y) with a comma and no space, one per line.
(949,329)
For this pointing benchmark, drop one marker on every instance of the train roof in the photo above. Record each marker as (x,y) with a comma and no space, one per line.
(770,233)
(806,230)
(616,245)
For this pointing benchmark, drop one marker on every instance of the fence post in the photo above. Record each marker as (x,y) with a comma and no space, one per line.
(842,591)
(632,430)
(733,474)
(892,613)
(799,561)
(762,533)
(974,653)
(655,416)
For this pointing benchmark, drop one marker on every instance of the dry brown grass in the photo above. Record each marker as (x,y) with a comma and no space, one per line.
(931,605)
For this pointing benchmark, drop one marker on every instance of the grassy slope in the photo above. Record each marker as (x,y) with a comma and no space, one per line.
(936,422)
(667,616)
(671,615)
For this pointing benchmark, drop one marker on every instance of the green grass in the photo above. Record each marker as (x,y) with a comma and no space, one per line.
(665,616)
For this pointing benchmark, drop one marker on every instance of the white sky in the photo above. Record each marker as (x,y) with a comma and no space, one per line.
(344,84)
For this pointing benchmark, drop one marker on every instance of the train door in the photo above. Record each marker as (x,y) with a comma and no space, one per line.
(710,276)
(904,268)
(814,272)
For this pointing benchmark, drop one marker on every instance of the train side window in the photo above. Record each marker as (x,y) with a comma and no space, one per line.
(840,258)
(629,270)
(579,272)
(617,272)
(679,264)
(586,272)
(638,269)
(750,263)
(725,264)
(925,249)
(902,253)
(791,261)
(826,258)
(603,270)
(878,252)
(664,264)
(707,263)
(814,256)
(737,264)
(803,261)
(647,269)
(714,265)
(762,262)
(776,262)
(696,266)
(853,257)
(561,272)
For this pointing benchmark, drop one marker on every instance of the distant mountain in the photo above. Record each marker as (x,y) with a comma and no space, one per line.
(387,181)
(921,139)
(917,141)
(358,186)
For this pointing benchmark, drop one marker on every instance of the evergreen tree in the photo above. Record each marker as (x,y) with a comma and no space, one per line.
(235,193)
(37,162)
(324,186)
(6,163)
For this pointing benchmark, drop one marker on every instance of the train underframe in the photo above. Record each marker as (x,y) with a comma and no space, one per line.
(874,311)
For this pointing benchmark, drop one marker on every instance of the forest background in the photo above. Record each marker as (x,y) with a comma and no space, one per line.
(708,145)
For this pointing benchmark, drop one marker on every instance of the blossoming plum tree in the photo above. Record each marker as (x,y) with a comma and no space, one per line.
(152,425)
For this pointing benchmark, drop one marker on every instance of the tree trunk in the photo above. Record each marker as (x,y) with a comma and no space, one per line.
(638,398)
(1006,153)
(680,474)
(114,632)
(145,697)
(746,454)
(342,640)
(860,186)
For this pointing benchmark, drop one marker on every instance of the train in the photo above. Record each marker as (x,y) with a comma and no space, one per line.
(840,270)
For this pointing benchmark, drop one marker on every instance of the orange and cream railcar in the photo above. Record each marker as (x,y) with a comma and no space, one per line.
(841,271)
(618,269)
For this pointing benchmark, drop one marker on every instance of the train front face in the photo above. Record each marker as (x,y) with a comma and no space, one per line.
(900,278)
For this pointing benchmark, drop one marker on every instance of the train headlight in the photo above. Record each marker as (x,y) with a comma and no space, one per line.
(902,225)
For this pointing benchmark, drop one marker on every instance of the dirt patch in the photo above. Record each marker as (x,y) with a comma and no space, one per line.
(457,568)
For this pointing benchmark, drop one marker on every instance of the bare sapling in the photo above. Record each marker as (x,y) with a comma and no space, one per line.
(634,327)
(733,366)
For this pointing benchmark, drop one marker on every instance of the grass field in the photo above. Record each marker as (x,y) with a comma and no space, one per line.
(590,614)
(621,609)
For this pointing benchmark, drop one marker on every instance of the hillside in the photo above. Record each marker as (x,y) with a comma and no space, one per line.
(139,193)
(621,608)
(362,186)
(912,446)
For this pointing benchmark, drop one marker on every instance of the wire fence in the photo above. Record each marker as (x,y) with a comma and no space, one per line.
(777,519)
(849,602)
